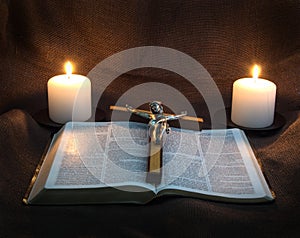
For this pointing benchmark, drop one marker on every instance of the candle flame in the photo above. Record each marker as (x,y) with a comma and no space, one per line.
(255,71)
(68,68)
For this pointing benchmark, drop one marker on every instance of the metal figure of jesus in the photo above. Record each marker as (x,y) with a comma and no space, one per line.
(158,126)
(158,121)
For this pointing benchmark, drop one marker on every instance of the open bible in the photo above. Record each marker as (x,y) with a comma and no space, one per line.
(106,162)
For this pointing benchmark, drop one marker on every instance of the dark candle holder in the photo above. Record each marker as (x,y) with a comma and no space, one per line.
(279,122)
(42,117)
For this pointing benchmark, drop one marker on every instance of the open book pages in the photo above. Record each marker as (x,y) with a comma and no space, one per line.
(213,164)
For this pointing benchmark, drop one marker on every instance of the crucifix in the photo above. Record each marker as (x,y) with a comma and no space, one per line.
(158,126)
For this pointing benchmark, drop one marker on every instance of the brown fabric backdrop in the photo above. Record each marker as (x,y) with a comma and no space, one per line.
(226,37)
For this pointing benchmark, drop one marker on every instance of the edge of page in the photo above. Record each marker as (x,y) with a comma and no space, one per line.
(25,199)
(270,194)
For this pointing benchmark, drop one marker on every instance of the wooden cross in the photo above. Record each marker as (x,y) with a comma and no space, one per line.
(158,126)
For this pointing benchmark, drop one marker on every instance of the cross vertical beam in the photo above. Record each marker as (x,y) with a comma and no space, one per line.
(154,163)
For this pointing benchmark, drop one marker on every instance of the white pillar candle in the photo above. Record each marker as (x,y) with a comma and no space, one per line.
(253,101)
(69,97)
